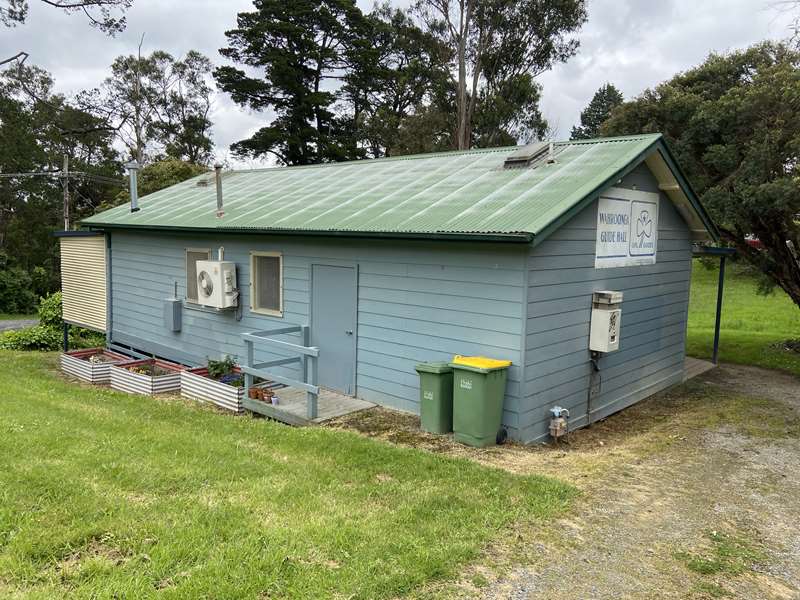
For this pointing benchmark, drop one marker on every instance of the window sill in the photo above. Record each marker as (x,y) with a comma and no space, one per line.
(266,312)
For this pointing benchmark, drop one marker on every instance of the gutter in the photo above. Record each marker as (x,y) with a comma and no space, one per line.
(519,238)
(76,233)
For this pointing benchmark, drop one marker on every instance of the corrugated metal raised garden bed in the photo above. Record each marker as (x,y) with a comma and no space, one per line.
(149,376)
(224,386)
(91,364)
(226,392)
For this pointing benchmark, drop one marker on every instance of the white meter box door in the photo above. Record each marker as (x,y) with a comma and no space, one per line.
(605,330)
(606,321)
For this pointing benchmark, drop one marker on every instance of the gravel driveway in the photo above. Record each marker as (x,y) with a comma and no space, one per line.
(17,324)
(692,494)
(718,490)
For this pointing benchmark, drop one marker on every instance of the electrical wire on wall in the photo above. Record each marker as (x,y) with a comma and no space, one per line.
(595,384)
(238,311)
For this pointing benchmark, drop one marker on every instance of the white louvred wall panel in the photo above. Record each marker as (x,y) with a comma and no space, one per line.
(83,281)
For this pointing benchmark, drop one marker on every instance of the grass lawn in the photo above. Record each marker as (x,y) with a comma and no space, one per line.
(12,317)
(751,324)
(104,494)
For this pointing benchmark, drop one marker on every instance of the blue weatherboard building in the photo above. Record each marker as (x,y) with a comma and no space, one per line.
(387,263)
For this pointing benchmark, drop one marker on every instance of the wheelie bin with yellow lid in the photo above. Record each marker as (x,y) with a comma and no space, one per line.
(479,386)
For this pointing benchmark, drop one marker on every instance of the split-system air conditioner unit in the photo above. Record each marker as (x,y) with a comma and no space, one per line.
(216,283)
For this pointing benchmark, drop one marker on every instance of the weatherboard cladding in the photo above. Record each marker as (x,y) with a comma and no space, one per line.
(417,301)
(446,193)
(561,279)
(427,300)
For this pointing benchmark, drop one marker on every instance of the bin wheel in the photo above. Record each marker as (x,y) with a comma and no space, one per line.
(502,436)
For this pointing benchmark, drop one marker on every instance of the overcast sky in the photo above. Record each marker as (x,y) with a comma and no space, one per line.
(634,44)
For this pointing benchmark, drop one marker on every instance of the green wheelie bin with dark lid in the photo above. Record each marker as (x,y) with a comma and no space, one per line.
(479,387)
(436,396)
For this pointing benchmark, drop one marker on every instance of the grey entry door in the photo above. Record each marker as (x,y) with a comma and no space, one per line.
(333,326)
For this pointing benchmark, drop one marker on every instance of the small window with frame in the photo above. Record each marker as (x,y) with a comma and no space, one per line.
(192,256)
(266,283)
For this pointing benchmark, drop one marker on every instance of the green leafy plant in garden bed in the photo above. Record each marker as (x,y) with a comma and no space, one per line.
(48,334)
(224,371)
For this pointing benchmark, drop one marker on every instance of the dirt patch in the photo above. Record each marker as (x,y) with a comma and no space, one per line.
(98,552)
(694,493)
(757,383)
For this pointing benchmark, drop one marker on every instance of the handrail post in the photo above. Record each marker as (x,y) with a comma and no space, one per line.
(248,379)
(308,372)
(305,334)
(311,398)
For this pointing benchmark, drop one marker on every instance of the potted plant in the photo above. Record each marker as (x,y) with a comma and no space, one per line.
(220,382)
(264,394)
(149,376)
(91,364)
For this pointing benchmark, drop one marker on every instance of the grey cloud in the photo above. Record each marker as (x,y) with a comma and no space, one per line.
(637,44)
(634,44)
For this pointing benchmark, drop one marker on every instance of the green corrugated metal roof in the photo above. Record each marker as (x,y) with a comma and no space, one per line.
(448,193)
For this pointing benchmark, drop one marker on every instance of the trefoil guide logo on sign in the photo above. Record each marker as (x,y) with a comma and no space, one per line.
(627,228)
(643,243)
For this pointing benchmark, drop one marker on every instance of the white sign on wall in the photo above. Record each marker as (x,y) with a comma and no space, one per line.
(627,228)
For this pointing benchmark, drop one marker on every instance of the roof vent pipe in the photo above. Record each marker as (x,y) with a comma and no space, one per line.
(551,152)
(218,177)
(133,167)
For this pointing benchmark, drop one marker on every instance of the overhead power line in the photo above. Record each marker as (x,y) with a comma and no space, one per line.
(65,175)
(34,174)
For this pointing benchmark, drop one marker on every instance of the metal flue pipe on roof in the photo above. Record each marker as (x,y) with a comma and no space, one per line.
(218,178)
(133,168)
(551,152)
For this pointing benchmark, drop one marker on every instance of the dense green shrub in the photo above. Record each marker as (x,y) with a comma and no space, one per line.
(49,333)
(50,311)
(43,281)
(85,338)
(16,291)
(31,338)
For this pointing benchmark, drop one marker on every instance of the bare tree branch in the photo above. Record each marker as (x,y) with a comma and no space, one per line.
(16,12)
(19,55)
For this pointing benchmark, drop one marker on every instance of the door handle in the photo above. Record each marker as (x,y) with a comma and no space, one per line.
(348,331)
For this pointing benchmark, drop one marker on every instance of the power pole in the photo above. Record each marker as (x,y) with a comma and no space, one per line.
(65,178)
(65,174)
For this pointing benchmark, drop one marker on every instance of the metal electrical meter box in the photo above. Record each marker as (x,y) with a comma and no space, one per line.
(606,321)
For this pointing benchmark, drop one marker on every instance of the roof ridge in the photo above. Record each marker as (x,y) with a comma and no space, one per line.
(399,157)
(615,138)
(425,155)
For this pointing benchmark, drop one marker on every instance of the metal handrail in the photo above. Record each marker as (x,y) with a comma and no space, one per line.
(304,354)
